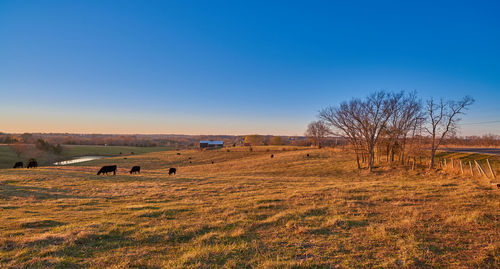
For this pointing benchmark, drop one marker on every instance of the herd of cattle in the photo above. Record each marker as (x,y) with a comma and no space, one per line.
(32,163)
(135,170)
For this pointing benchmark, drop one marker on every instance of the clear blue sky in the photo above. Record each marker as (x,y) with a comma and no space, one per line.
(236,67)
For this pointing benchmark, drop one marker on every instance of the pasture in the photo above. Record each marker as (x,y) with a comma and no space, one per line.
(245,210)
(8,157)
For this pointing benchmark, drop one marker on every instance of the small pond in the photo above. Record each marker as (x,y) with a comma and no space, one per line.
(79,160)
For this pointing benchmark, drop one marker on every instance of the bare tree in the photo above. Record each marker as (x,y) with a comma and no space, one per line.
(344,125)
(442,118)
(361,121)
(26,150)
(403,122)
(20,149)
(316,132)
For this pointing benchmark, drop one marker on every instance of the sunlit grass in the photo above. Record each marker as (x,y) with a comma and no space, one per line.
(245,209)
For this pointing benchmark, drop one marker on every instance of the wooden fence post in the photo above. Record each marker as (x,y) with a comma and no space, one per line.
(477,168)
(471,170)
(461,167)
(481,170)
(491,169)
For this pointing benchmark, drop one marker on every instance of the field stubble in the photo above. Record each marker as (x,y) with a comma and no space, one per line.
(245,210)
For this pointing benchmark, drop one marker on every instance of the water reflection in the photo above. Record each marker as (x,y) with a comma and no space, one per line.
(79,160)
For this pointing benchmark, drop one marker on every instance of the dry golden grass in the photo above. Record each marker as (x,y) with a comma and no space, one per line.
(245,210)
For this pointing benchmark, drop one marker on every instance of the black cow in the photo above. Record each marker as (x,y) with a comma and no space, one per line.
(107,169)
(135,169)
(213,162)
(178,153)
(32,163)
(272,156)
(18,165)
(172,171)
(307,155)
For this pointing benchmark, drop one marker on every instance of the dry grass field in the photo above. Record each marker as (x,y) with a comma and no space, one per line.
(246,210)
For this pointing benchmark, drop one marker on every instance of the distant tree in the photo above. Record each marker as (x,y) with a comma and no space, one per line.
(68,140)
(316,132)
(58,149)
(45,146)
(42,145)
(254,140)
(276,140)
(27,137)
(19,149)
(488,140)
(442,118)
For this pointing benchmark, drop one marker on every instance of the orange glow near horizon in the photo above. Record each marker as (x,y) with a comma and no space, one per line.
(138,126)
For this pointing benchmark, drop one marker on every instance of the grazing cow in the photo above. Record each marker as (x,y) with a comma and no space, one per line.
(107,169)
(135,169)
(190,162)
(172,171)
(307,155)
(189,158)
(212,162)
(272,156)
(178,153)
(32,163)
(18,165)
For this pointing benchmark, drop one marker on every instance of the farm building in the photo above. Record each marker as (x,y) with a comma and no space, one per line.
(211,144)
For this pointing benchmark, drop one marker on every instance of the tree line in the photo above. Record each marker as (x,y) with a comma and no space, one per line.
(391,123)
